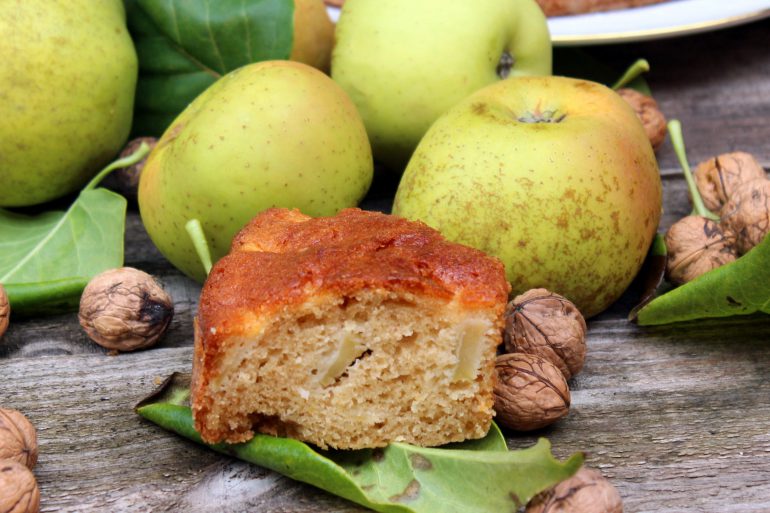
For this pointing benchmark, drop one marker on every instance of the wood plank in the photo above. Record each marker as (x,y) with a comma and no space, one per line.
(96,454)
(62,334)
(674,415)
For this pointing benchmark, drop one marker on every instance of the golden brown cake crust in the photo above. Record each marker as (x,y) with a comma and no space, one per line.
(283,257)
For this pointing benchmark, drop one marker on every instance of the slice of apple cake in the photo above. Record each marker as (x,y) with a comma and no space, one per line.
(349,331)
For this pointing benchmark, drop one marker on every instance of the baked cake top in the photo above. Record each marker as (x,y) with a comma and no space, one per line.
(284,257)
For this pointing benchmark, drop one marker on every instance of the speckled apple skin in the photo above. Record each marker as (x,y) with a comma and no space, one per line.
(404,63)
(67,83)
(275,133)
(570,206)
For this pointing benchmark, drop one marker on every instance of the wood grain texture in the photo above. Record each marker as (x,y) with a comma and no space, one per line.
(716,84)
(677,416)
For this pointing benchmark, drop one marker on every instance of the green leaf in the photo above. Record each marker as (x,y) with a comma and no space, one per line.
(47,260)
(738,288)
(480,476)
(184,46)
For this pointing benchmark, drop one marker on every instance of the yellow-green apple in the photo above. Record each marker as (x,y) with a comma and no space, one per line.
(555,176)
(404,63)
(270,134)
(67,84)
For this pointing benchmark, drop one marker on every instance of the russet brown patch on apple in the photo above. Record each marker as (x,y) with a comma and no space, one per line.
(589,233)
(615,216)
(492,114)
(479,108)
(171,135)
(582,84)
(525,183)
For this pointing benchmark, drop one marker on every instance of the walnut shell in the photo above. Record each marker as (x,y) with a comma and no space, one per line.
(126,180)
(125,309)
(18,489)
(695,246)
(585,492)
(747,213)
(546,324)
(5,311)
(648,112)
(18,439)
(530,392)
(718,177)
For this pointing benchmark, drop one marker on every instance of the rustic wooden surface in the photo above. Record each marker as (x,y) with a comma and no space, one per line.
(677,416)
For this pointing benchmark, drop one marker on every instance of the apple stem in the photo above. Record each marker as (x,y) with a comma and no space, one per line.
(677,139)
(195,231)
(633,71)
(129,160)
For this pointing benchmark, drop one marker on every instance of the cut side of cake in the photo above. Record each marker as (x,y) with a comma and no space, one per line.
(350,331)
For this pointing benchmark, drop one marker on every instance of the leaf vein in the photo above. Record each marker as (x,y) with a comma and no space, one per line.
(37,247)
(175,20)
(248,30)
(213,39)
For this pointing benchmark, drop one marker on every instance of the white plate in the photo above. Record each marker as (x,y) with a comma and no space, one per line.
(667,19)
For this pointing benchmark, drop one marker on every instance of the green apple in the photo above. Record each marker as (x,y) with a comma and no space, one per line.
(68,78)
(271,134)
(554,176)
(404,63)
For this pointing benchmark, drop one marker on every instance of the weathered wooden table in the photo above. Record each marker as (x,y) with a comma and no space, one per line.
(677,416)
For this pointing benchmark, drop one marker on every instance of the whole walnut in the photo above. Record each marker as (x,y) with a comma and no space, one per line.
(5,311)
(126,180)
(648,112)
(718,177)
(530,392)
(18,439)
(125,309)
(546,324)
(18,489)
(695,246)
(747,213)
(585,492)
